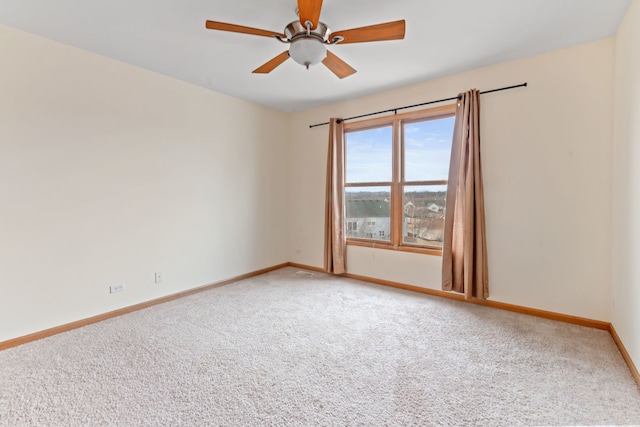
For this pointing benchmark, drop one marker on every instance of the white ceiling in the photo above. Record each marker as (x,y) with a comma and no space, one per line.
(443,37)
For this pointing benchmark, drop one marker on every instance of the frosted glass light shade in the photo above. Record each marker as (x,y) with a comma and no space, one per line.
(307,51)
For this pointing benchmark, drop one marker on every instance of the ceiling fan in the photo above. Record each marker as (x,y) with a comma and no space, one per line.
(308,39)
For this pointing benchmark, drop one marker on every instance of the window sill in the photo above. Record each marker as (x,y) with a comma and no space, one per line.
(389,246)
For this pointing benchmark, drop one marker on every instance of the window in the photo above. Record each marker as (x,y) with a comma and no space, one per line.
(396,171)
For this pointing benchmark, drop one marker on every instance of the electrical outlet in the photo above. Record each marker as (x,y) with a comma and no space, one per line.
(158,277)
(117,288)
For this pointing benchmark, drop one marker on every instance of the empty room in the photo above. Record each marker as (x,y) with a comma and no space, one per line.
(301,213)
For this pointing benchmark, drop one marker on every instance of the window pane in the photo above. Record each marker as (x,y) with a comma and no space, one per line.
(367,213)
(369,155)
(423,208)
(427,149)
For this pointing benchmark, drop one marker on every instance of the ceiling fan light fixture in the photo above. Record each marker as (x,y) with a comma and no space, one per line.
(307,39)
(307,51)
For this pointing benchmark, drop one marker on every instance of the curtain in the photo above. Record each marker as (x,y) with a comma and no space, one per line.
(334,237)
(464,254)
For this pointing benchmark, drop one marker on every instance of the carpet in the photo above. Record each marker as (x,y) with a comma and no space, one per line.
(289,349)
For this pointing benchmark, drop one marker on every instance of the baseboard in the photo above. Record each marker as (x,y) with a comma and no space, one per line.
(99,318)
(306,267)
(499,305)
(625,354)
(503,306)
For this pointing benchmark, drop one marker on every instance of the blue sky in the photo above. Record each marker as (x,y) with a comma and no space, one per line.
(427,152)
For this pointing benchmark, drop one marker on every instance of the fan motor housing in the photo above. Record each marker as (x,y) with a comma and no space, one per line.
(295,30)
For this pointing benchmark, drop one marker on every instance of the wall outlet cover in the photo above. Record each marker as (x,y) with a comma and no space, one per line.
(117,288)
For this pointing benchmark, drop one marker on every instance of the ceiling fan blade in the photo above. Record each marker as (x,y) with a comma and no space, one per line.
(338,66)
(223,26)
(272,64)
(373,33)
(309,10)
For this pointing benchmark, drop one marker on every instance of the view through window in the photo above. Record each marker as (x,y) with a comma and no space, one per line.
(396,172)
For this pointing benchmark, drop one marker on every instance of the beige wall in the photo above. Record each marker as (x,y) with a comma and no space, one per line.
(109,173)
(547,170)
(626,195)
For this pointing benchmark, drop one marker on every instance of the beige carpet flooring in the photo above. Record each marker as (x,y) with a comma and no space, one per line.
(286,349)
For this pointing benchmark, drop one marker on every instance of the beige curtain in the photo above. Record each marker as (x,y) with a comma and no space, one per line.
(334,238)
(464,255)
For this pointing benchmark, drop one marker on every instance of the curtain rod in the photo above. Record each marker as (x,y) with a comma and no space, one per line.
(395,110)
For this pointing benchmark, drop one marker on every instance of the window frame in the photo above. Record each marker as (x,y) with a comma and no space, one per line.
(397,183)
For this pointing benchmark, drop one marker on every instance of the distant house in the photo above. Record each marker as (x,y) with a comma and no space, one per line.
(368,219)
